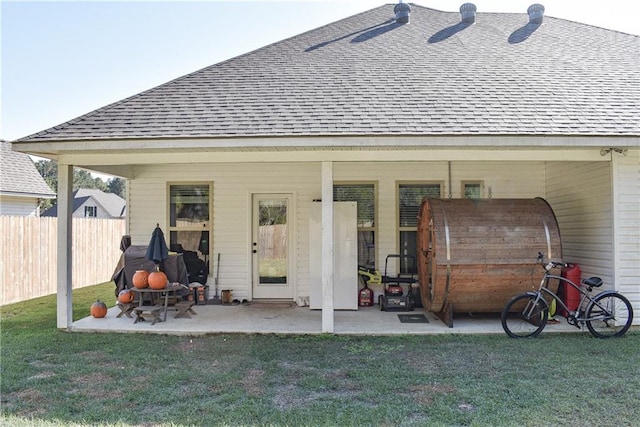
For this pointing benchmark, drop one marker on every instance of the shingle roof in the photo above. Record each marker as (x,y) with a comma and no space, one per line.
(368,75)
(113,204)
(19,176)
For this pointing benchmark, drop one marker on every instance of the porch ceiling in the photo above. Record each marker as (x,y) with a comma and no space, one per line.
(122,164)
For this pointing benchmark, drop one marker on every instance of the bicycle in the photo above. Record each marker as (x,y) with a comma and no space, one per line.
(606,315)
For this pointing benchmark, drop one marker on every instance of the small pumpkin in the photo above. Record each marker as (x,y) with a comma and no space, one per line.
(126,296)
(158,280)
(98,309)
(141,279)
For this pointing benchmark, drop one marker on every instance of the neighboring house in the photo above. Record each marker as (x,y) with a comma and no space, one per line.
(92,203)
(502,105)
(21,185)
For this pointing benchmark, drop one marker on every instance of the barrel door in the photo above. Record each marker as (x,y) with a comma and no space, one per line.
(426,257)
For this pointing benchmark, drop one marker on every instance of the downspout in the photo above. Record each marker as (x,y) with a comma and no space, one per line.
(450,195)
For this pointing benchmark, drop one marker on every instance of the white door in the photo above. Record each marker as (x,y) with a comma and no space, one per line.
(271,246)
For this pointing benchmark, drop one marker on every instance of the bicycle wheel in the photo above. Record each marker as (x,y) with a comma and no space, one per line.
(524,316)
(612,313)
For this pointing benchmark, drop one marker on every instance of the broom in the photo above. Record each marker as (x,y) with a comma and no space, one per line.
(216,299)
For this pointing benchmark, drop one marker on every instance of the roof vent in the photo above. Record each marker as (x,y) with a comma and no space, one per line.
(468,13)
(402,11)
(536,13)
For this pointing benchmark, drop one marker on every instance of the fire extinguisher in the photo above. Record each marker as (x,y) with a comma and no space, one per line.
(365,296)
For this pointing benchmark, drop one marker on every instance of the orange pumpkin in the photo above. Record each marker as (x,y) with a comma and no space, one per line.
(141,279)
(158,280)
(126,296)
(98,309)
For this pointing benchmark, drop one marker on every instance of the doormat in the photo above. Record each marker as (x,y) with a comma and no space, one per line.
(412,318)
(274,304)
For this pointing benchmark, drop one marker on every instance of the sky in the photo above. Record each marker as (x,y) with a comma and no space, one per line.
(62,59)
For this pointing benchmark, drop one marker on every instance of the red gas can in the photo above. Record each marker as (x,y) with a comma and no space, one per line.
(365,297)
(570,295)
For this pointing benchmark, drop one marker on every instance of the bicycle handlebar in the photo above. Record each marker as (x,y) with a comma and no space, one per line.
(550,264)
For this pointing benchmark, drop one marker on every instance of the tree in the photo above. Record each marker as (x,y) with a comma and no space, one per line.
(117,186)
(49,171)
(81,179)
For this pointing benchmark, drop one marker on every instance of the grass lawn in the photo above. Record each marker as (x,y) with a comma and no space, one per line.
(54,378)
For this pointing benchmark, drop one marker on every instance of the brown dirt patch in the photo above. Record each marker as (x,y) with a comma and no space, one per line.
(188,346)
(33,399)
(425,394)
(92,385)
(252,382)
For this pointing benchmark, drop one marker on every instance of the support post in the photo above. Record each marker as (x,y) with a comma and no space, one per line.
(64,246)
(327,247)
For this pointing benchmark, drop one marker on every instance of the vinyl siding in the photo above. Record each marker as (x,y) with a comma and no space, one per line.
(626,178)
(233,185)
(580,195)
(101,212)
(18,206)
(509,180)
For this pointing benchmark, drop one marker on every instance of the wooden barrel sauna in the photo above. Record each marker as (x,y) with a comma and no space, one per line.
(475,254)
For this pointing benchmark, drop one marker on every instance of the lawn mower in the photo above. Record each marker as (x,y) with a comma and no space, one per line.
(395,297)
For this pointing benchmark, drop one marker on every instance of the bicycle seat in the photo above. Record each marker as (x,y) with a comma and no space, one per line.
(594,282)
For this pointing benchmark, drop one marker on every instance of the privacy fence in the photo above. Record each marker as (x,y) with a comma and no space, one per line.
(28,254)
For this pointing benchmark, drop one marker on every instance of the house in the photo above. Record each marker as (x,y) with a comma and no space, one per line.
(93,203)
(21,185)
(399,99)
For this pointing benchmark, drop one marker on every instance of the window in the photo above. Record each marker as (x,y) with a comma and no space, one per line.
(91,211)
(365,195)
(472,189)
(189,219)
(410,197)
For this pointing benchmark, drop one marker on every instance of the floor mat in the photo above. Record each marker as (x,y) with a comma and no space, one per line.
(413,318)
(275,304)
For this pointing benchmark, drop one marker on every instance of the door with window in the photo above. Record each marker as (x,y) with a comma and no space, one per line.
(271,243)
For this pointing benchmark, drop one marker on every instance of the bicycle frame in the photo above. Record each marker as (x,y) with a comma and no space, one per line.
(606,314)
(585,298)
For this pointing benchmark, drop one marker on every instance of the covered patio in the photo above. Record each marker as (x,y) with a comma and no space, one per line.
(215,319)
(257,142)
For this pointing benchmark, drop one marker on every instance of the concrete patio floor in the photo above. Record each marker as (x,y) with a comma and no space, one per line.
(212,319)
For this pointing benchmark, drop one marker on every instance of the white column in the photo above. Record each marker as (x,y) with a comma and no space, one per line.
(327,247)
(65,210)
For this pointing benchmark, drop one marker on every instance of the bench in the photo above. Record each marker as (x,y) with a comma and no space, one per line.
(144,312)
(126,309)
(185,309)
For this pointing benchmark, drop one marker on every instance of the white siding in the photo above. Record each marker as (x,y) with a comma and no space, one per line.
(18,206)
(101,212)
(626,179)
(580,195)
(507,180)
(233,185)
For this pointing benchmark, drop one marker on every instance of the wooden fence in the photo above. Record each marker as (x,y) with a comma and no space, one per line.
(28,254)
